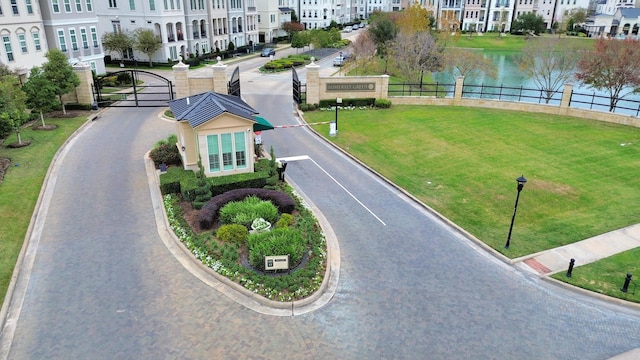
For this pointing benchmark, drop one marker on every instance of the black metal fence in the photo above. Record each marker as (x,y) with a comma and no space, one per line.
(506,93)
(591,101)
(437,89)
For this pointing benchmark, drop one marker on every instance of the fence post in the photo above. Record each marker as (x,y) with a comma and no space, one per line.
(457,94)
(566,98)
(313,83)
(181,79)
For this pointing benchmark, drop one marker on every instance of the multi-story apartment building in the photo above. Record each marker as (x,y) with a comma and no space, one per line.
(219,34)
(198,26)
(72,26)
(24,41)
(272,14)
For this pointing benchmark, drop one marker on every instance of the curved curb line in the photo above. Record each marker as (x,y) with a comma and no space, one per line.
(235,291)
(16,291)
(469,236)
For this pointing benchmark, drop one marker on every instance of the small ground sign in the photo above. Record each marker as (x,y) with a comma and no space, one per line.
(279,262)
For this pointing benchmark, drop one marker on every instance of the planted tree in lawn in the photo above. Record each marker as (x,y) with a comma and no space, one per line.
(383,31)
(119,42)
(292,28)
(203,191)
(527,23)
(417,53)
(13,111)
(41,93)
(364,49)
(549,62)
(614,67)
(5,126)
(146,41)
(60,74)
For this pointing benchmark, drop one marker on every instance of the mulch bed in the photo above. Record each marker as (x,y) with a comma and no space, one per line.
(4,164)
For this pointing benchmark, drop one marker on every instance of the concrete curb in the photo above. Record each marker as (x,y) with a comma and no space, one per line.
(476,241)
(235,291)
(12,306)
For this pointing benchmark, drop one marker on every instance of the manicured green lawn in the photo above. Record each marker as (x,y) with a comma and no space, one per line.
(490,41)
(607,275)
(21,186)
(463,162)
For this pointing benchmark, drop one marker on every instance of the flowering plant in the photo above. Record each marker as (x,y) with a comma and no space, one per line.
(260,224)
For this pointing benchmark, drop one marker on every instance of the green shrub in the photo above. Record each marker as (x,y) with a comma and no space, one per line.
(285,220)
(222,184)
(383,103)
(348,102)
(170,180)
(188,186)
(280,241)
(304,107)
(167,154)
(234,233)
(244,212)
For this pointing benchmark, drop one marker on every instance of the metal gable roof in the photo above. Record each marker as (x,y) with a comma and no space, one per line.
(200,108)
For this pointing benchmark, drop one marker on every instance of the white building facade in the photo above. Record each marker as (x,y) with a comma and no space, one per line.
(24,41)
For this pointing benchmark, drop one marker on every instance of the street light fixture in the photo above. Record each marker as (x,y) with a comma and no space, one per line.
(521,181)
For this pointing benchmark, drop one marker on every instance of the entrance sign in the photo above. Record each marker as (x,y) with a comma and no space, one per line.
(368,86)
(278,262)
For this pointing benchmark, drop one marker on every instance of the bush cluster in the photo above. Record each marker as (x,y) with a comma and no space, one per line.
(309,107)
(209,212)
(383,103)
(165,154)
(245,211)
(285,220)
(280,241)
(348,102)
(234,233)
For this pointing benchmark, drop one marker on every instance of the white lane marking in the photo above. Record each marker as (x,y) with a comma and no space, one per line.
(305,157)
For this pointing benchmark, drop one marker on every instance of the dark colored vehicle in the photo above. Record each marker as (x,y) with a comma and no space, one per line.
(268,52)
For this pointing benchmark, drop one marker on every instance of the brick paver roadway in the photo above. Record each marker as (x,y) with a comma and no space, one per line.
(103,285)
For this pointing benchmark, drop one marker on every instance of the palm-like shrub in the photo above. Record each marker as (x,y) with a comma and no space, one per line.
(280,241)
(244,212)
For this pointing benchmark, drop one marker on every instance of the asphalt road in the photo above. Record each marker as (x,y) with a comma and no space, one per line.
(103,285)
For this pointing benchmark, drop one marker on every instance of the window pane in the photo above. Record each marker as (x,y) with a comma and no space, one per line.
(214,153)
(227,151)
(241,150)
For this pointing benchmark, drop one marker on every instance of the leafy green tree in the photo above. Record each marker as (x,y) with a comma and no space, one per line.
(300,40)
(119,42)
(383,31)
(13,111)
(60,74)
(146,41)
(528,22)
(41,94)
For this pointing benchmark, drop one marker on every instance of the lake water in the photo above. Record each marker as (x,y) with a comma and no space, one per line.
(510,75)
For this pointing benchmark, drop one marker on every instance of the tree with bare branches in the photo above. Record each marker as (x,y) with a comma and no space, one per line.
(549,62)
(416,53)
(469,63)
(364,49)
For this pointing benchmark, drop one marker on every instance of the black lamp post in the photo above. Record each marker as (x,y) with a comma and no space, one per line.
(521,181)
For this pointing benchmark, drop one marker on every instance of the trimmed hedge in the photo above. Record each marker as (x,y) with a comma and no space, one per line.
(177,180)
(209,211)
(348,102)
(170,180)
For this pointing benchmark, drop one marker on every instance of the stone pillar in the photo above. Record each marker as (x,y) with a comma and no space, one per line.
(384,91)
(566,98)
(181,79)
(313,83)
(457,93)
(84,92)
(220,77)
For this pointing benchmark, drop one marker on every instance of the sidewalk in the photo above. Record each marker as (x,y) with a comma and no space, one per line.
(584,252)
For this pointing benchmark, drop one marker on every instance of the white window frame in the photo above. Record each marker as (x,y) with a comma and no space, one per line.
(67,6)
(84,38)
(74,39)
(29,7)
(6,39)
(23,43)
(89,6)
(36,40)
(62,40)
(94,36)
(78,6)
(55,5)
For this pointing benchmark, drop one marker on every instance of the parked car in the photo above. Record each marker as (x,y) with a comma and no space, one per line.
(348,29)
(268,52)
(339,61)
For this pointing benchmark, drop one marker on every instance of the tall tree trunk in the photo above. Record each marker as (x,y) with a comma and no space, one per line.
(42,118)
(64,111)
